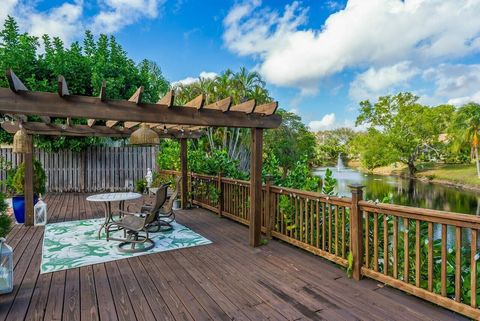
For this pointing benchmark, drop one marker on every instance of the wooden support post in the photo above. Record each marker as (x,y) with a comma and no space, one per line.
(220,194)
(184,170)
(269,211)
(256,186)
(356,232)
(28,193)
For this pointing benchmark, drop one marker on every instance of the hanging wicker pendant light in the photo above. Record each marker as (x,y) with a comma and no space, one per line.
(21,142)
(144,136)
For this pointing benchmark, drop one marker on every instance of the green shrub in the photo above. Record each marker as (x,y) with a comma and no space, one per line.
(141,185)
(18,180)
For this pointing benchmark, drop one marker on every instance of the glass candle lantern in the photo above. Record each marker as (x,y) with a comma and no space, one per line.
(6,267)
(40,213)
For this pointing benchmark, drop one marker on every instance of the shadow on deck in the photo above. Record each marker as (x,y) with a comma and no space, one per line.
(226,280)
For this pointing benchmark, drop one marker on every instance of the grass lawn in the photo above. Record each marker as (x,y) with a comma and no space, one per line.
(456,173)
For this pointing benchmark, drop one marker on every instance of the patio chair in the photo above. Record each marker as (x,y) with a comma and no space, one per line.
(165,214)
(136,226)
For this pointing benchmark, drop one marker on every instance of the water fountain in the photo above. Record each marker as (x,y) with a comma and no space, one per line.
(340,165)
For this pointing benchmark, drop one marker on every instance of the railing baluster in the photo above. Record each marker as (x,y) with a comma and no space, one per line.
(367,240)
(312,212)
(395,247)
(318,222)
(417,253)
(443,267)
(430,256)
(473,268)
(344,247)
(375,242)
(406,255)
(385,244)
(324,226)
(458,266)
(330,224)
(301,214)
(336,229)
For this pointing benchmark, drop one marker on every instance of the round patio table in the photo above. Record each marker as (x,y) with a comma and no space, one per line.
(107,199)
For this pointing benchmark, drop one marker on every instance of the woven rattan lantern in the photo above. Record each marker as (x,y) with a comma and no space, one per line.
(21,142)
(144,136)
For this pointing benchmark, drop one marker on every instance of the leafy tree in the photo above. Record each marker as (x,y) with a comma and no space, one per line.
(410,128)
(290,142)
(332,143)
(465,129)
(84,69)
(374,149)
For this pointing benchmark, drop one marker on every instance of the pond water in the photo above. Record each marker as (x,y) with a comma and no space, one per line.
(405,191)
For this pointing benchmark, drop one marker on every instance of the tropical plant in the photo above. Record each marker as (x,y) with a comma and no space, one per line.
(39,179)
(241,86)
(465,129)
(329,183)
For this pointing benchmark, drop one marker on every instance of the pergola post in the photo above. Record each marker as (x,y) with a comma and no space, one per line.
(184,170)
(28,188)
(256,186)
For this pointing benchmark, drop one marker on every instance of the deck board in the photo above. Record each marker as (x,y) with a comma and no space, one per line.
(226,280)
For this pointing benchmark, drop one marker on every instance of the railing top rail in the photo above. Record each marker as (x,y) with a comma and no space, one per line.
(429,215)
(314,195)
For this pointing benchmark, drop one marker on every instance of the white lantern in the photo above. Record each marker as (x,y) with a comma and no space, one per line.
(6,267)
(40,213)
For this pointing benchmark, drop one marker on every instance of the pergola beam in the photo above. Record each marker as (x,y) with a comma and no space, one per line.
(38,128)
(48,104)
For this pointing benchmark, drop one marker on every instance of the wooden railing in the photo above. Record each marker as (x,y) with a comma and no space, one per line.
(427,253)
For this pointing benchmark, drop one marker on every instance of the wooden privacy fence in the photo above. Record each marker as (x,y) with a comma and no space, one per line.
(427,253)
(95,169)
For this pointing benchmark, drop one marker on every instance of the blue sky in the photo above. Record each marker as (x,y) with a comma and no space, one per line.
(320,58)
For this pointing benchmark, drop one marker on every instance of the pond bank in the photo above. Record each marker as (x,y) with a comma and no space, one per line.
(462,176)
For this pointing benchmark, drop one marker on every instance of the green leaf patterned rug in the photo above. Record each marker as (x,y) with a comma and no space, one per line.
(72,244)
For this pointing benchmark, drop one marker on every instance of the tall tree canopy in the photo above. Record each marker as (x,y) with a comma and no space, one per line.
(409,128)
(84,67)
(465,129)
(241,86)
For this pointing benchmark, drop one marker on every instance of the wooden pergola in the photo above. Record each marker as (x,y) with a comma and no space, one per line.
(122,117)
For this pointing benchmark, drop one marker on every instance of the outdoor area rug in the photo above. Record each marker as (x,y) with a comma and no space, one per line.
(69,245)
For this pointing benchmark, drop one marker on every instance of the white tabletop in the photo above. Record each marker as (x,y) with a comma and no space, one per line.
(113,197)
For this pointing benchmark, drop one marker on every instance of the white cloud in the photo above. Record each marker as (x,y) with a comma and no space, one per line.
(67,21)
(323,124)
(373,32)
(121,13)
(380,81)
(191,80)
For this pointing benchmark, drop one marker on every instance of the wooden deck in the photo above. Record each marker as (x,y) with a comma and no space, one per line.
(226,280)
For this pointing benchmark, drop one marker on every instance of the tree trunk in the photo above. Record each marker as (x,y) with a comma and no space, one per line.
(411,168)
(477,161)
(284,172)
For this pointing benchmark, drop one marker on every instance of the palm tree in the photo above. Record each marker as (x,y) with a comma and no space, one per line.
(466,124)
